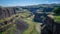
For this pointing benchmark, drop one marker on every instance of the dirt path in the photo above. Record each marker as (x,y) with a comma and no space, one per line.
(38,27)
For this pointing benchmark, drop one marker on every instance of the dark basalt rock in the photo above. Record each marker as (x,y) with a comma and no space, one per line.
(21,25)
(6,12)
(49,26)
(56,28)
(39,17)
(5,22)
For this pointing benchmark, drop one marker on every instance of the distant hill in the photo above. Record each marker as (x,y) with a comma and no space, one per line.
(36,8)
(41,7)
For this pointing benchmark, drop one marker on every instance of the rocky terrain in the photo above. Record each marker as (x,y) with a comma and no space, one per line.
(30,19)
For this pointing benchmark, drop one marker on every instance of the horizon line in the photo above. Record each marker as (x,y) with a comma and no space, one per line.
(27,5)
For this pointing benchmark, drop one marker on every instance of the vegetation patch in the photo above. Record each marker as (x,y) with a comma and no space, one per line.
(57,19)
(31,25)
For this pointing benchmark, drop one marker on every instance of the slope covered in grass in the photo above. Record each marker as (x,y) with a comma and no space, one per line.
(31,25)
(57,19)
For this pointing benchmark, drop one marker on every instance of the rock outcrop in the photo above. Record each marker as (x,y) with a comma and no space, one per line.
(51,26)
(6,12)
(7,15)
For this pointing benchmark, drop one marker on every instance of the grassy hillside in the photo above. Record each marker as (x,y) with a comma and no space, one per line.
(31,25)
(57,19)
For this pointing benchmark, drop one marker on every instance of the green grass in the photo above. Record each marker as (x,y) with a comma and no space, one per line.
(31,25)
(57,19)
(7,18)
(14,26)
(34,30)
(11,31)
(24,14)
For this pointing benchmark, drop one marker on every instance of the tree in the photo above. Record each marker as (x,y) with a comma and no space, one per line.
(57,10)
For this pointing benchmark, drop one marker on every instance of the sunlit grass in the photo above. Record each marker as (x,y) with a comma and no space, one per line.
(23,14)
(14,26)
(57,19)
(31,25)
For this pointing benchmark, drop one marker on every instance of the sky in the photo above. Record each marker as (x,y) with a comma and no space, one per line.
(26,2)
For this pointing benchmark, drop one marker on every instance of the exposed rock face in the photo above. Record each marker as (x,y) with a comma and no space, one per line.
(0,13)
(56,29)
(21,25)
(51,27)
(39,17)
(48,29)
(7,24)
(6,12)
(49,24)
